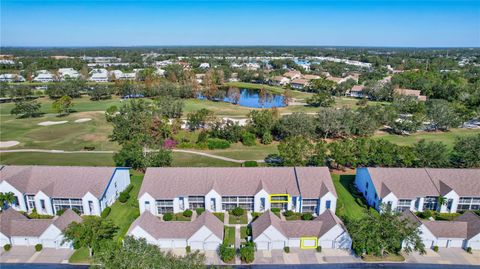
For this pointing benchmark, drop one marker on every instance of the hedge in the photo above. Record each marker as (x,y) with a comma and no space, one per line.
(250,164)
(167,216)
(249,139)
(307,216)
(60,212)
(38,247)
(217,143)
(199,211)
(227,253)
(247,253)
(106,212)
(238,211)
(187,213)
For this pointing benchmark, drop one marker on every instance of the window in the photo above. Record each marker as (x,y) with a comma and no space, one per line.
(67,203)
(195,202)
(15,201)
(279,199)
(309,205)
(42,204)
(31,202)
(328,204)
(230,202)
(366,185)
(281,206)
(90,207)
(164,206)
(403,204)
(468,203)
(430,203)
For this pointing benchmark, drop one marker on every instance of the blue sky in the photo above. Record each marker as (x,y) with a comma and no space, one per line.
(330,23)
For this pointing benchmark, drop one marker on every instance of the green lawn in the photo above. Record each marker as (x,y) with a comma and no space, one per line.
(232,219)
(348,207)
(446,137)
(180,217)
(388,258)
(229,235)
(240,152)
(181,159)
(220,216)
(80,255)
(243,232)
(70,159)
(295,216)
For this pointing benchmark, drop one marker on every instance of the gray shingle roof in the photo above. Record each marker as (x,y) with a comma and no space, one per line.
(66,218)
(174,182)
(465,182)
(58,181)
(177,229)
(447,229)
(473,221)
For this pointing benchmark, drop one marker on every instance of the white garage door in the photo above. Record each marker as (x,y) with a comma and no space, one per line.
(24,241)
(179,243)
(442,243)
(277,245)
(326,244)
(475,244)
(49,243)
(211,245)
(428,243)
(196,245)
(455,243)
(262,245)
(309,243)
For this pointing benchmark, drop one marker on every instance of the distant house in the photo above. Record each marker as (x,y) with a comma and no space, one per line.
(419,189)
(99,75)
(18,230)
(204,65)
(357,91)
(462,232)
(279,81)
(409,92)
(66,73)
(43,76)
(300,189)
(299,83)
(199,78)
(11,78)
(293,74)
(310,77)
(205,232)
(48,189)
(326,231)
(233,77)
(119,75)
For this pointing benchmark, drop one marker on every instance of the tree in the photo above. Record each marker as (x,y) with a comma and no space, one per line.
(200,119)
(442,115)
(342,152)
(296,124)
(7,199)
(90,232)
(63,105)
(466,152)
(131,155)
(262,121)
(322,85)
(26,108)
(100,92)
(158,158)
(383,234)
(234,95)
(431,154)
(298,151)
(323,99)
(137,253)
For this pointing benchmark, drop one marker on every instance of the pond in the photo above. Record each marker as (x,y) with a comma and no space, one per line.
(250,98)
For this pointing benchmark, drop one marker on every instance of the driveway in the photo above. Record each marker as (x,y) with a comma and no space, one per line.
(28,255)
(446,256)
(303,256)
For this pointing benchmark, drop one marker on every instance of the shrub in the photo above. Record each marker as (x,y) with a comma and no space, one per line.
(266,139)
(286,249)
(202,137)
(227,253)
(238,211)
(38,247)
(275,210)
(250,164)
(425,214)
(435,248)
(307,216)
(217,143)
(106,212)
(187,213)
(60,212)
(35,215)
(248,139)
(319,249)
(167,216)
(123,197)
(255,215)
(288,213)
(89,148)
(469,250)
(188,249)
(129,188)
(247,253)
(199,211)
(7,247)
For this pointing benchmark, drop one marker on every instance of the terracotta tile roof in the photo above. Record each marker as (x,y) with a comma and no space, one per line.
(473,221)
(58,181)
(177,229)
(175,182)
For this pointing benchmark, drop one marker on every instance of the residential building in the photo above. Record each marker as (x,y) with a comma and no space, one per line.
(99,75)
(119,75)
(205,232)
(11,78)
(279,81)
(43,76)
(300,189)
(310,77)
(48,189)
(412,93)
(18,230)
(299,83)
(419,189)
(357,91)
(462,232)
(66,73)
(204,65)
(326,231)
(293,74)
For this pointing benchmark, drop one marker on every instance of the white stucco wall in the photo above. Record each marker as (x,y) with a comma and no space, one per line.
(336,237)
(323,203)
(474,242)
(257,201)
(5,187)
(48,210)
(270,237)
(141,203)
(4,240)
(455,199)
(96,205)
(119,182)
(138,232)
(217,207)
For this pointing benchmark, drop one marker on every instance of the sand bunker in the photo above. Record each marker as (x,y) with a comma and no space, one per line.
(7,144)
(83,120)
(48,123)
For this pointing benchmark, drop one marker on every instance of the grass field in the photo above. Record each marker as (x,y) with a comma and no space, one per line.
(240,152)
(80,255)
(347,206)
(446,137)
(229,235)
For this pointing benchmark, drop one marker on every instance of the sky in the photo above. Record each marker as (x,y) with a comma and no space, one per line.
(301,22)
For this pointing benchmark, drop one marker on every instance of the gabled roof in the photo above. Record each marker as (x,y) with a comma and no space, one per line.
(297,228)
(58,181)
(465,182)
(66,218)
(447,229)
(473,221)
(177,229)
(357,88)
(6,218)
(168,183)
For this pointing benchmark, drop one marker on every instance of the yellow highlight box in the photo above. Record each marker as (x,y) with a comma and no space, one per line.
(303,239)
(287,200)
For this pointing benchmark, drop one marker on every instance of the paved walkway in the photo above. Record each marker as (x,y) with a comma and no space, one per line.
(20,254)
(111,151)
(446,256)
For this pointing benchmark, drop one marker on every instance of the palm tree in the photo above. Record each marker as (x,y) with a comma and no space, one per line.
(6,199)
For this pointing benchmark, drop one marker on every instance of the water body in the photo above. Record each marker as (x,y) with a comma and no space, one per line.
(252,98)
